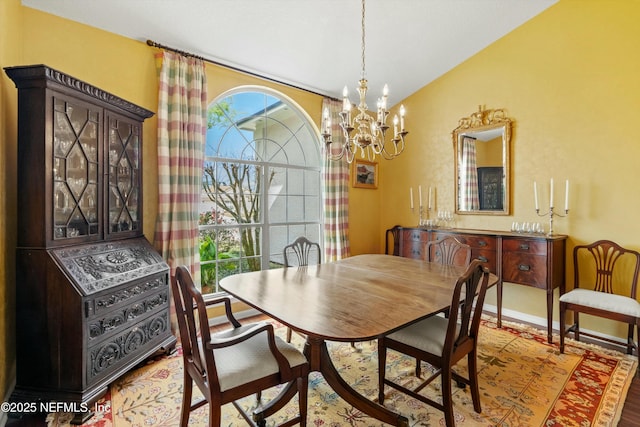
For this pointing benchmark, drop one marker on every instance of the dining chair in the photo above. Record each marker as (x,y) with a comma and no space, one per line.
(299,253)
(442,342)
(448,250)
(235,363)
(394,232)
(605,285)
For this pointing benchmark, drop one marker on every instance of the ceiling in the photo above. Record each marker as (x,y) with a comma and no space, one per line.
(314,44)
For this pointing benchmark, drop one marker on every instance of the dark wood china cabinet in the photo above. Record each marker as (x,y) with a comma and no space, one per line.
(92,295)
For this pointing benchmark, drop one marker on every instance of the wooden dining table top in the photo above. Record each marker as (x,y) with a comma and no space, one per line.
(354,299)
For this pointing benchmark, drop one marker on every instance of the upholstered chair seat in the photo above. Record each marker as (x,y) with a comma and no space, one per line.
(234,363)
(249,360)
(604,285)
(442,342)
(603,301)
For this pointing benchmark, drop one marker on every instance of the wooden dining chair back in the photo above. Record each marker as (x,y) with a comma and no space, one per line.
(448,250)
(442,342)
(301,252)
(235,363)
(392,235)
(605,285)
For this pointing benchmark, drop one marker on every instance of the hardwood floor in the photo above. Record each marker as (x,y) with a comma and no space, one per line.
(631,411)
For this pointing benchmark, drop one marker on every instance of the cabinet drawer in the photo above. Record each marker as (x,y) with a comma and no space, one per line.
(488,257)
(108,356)
(531,246)
(413,243)
(101,327)
(124,295)
(475,241)
(524,268)
(413,250)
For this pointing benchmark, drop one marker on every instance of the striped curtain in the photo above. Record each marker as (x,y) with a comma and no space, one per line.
(335,174)
(182,125)
(469,176)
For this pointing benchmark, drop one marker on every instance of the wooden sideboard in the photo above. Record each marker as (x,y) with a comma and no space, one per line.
(527,259)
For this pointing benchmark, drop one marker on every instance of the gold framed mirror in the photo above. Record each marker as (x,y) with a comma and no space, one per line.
(482,150)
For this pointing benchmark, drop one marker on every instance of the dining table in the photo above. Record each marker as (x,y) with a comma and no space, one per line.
(359,298)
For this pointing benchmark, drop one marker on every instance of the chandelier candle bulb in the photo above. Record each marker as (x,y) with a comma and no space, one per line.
(385,95)
(420,195)
(411,197)
(429,205)
(402,111)
(535,194)
(365,131)
(327,121)
(566,196)
(551,195)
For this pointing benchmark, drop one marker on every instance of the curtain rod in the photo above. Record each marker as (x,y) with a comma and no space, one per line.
(230,67)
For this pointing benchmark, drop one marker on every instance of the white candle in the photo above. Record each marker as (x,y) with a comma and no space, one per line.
(395,125)
(402,113)
(535,193)
(551,195)
(429,197)
(420,194)
(566,196)
(411,196)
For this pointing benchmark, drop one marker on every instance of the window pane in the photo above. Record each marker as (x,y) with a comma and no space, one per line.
(262,169)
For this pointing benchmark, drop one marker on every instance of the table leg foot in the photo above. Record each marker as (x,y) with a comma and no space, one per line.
(344,390)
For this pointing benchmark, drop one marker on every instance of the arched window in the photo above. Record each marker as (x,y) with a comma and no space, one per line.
(261,183)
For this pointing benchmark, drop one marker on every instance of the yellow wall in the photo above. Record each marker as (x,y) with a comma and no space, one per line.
(569,79)
(10,52)
(122,66)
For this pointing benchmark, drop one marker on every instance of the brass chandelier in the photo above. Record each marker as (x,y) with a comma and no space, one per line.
(363,131)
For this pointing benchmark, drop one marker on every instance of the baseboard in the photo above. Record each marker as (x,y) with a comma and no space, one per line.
(541,323)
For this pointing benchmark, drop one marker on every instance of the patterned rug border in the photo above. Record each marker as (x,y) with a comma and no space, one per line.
(616,389)
(624,375)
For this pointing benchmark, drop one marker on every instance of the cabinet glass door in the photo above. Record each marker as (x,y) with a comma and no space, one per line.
(124,175)
(75,170)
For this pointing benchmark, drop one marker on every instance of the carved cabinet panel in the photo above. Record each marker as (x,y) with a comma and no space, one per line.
(92,294)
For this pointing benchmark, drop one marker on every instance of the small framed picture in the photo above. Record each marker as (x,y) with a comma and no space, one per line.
(365,174)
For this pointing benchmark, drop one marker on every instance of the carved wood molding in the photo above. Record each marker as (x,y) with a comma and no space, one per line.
(33,74)
(483,117)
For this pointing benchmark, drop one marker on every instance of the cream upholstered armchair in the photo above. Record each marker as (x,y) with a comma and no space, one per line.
(238,362)
(598,291)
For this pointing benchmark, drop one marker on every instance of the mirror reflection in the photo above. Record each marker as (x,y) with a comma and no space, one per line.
(482,149)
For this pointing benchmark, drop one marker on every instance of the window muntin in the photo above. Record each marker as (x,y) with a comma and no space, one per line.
(261,183)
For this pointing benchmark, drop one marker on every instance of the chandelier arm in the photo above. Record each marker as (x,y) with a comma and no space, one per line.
(361,129)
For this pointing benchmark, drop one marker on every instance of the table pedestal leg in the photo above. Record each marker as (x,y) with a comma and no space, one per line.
(316,351)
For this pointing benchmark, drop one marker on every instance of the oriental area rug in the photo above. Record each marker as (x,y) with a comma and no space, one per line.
(524,381)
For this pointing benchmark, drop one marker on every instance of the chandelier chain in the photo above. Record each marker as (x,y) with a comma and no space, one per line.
(363,40)
(364,132)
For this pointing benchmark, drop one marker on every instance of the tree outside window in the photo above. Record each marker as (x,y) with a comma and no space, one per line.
(261,184)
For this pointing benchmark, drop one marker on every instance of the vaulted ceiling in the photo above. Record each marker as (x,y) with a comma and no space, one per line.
(314,44)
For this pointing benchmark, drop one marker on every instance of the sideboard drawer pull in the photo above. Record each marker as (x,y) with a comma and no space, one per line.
(483,258)
(524,246)
(482,243)
(524,267)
